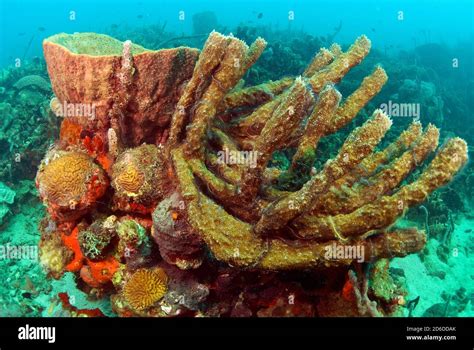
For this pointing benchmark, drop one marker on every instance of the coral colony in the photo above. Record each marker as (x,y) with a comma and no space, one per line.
(164,199)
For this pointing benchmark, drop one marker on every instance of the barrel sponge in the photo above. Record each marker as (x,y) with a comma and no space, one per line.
(145,287)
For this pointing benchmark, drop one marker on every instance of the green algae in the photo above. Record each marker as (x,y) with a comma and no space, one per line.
(131,231)
(92,44)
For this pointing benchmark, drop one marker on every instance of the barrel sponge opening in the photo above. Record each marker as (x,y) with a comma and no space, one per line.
(92,44)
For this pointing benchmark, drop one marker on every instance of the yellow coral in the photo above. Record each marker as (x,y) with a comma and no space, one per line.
(63,180)
(130,180)
(145,288)
(53,256)
(138,176)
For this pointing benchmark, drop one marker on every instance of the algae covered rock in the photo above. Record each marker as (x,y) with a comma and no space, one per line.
(7,197)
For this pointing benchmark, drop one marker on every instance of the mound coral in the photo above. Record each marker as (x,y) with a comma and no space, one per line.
(35,81)
(137,178)
(204,171)
(70,183)
(145,287)
(179,243)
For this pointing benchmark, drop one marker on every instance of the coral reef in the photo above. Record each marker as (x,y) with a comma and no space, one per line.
(287,53)
(134,241)
(54,256)
(27,126)
(178,242)
(203,181)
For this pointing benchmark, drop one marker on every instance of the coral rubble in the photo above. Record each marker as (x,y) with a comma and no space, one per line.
(140,190)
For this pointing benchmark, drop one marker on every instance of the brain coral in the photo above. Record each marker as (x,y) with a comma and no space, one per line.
(137,176)
(130,180)
(145,288)
(69,182)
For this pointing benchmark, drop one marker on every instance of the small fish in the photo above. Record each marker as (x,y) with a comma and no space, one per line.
(114,26)
(372,29)
(21,34)
(411,305)
(29,285)
(260,15)
(140,16)
(41,29)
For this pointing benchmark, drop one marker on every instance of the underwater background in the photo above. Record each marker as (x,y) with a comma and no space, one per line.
(426,48)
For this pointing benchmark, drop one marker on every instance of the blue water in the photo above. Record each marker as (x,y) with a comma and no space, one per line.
(440,21)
